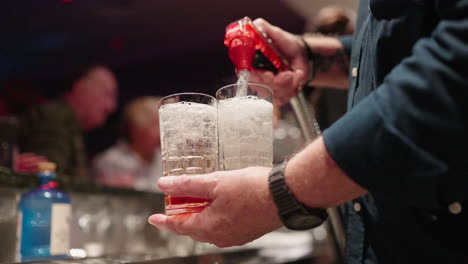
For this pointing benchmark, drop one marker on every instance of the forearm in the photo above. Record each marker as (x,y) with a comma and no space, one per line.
(330,65)
(317,181)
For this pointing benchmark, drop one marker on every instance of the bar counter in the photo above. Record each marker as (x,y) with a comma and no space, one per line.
(112,222)
(235,257)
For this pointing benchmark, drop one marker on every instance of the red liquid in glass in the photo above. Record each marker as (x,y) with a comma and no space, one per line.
(181,205)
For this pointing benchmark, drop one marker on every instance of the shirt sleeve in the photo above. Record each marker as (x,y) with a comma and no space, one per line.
(347,41)
(407,140)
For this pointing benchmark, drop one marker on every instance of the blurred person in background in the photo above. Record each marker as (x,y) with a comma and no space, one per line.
(54,130)
(330,102)
(135,161)
(18,94)
(332,20)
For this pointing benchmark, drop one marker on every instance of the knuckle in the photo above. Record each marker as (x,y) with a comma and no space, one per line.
(213,179)
(171,224)
(259,20)
(185,181)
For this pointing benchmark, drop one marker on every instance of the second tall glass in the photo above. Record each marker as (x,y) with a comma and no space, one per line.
(245,125)
(189,143)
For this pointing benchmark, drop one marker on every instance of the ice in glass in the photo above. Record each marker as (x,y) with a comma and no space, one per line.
(245,115)
(189,143)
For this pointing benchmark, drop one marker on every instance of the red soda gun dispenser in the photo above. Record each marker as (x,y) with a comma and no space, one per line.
(249,48)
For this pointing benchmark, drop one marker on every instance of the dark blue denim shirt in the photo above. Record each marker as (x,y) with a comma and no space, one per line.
(405,136)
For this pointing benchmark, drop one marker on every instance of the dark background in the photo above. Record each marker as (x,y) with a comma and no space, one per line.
(155,47)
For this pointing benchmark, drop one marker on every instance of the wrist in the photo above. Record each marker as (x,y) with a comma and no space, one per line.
(291,172)
(304,172)
(309,57)
(328,63)
(293,214)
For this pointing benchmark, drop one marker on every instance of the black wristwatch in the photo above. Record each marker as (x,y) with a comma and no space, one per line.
(294,214)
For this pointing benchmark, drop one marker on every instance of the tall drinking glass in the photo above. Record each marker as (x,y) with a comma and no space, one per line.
(245,126)
(189,143)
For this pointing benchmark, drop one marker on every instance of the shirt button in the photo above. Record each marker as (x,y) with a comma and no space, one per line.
(455,208)
(354,71)
(357,207)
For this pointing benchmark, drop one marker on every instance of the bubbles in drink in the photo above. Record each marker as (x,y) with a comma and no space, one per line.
(245,132)
(189,146)
(188,138)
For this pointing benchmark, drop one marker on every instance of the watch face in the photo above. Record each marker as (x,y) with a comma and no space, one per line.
(302,222)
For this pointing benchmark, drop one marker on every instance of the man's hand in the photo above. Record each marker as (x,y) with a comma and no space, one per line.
(241,208)
(330,64)
(28,162)
(285,84)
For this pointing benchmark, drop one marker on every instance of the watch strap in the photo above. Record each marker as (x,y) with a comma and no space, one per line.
(287,203)
(310,59)
(282,196)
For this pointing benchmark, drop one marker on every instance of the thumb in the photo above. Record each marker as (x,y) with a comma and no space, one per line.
(199,186)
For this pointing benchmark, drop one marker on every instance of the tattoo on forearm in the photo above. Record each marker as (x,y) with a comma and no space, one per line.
(325,63)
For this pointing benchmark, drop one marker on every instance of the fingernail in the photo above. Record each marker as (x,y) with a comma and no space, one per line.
(157,221)
(153,220)
(165,180)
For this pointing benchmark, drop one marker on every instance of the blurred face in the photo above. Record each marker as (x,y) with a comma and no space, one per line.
(147,135)
(98,98)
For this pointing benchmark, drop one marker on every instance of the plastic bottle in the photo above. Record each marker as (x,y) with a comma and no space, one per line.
(249,48)
(44,219)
